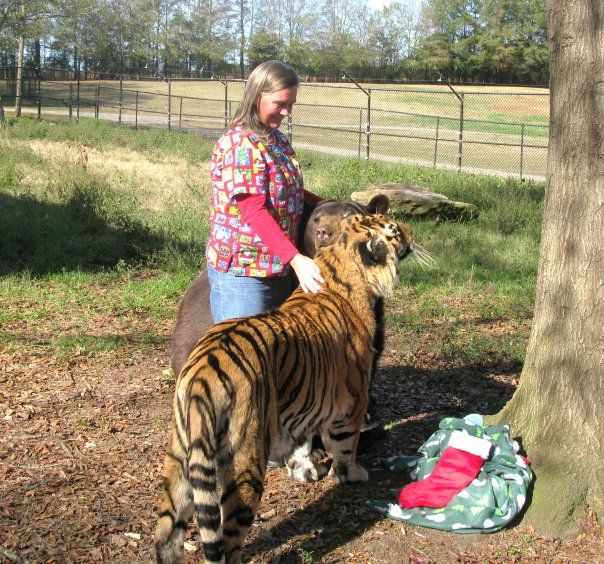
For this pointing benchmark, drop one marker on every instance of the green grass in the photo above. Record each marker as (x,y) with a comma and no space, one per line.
(493,133)
(100,135)
(485,269)
(88,269)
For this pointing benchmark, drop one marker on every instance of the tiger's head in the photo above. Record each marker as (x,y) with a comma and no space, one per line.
(375,244)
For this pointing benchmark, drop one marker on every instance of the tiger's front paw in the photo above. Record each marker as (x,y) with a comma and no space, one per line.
(306,470)
(348,472)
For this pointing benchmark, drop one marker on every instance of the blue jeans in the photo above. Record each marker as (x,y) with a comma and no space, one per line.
(242,296)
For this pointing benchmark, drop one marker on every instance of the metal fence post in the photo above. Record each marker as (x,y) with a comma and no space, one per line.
(226,105)
(368,94)
(2,118)
(39,99)
(136,111)
(521,150)
(360,131)
(180,114)
(436,140)
(97,97)
(119,117)
(368,122)
(70,101)
(78,100)
(460,152)
(460,97)
(169,105)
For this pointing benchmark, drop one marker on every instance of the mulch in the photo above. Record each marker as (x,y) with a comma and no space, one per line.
(81,454)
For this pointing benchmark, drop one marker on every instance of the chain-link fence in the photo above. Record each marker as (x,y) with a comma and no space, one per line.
(470,130)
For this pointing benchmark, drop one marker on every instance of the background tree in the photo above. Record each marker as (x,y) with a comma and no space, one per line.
(473,40)
(391,37)
(263,47)
(513,41)
(557,408)
(486,40)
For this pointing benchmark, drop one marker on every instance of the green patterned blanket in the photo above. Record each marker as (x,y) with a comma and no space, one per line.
(491,501)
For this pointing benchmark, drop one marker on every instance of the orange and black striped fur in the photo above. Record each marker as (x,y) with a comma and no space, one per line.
(269,383)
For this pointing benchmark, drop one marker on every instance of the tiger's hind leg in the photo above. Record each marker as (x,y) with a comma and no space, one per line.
(243,484)
(176,508)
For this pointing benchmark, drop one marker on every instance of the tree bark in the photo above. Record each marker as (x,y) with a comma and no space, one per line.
(37,57)
(558,408)
(241,38)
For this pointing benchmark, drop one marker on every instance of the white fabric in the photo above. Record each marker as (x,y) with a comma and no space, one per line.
(474,445)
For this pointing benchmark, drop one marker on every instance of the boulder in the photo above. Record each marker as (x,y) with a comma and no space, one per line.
(407,199)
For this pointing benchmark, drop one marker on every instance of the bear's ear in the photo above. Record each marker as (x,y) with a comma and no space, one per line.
(374,251)
(379,204)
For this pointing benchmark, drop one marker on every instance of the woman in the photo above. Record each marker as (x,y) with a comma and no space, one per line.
(256,204)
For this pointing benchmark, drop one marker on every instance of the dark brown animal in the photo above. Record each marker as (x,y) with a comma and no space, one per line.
(320,226)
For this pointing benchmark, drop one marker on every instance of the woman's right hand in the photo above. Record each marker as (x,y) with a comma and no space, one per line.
(308,273)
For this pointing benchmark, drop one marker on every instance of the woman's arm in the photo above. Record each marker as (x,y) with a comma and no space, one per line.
(254,211)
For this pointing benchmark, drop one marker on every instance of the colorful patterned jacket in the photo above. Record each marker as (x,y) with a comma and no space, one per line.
(243,164)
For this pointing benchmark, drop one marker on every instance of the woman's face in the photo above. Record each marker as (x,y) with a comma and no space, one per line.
(273,107)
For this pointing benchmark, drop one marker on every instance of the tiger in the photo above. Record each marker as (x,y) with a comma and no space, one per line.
(319,227)
(266,384)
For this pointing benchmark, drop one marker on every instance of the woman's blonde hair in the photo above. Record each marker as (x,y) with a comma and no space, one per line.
(267,77)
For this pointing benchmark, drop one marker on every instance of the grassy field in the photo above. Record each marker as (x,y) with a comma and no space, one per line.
(513,104)
(92,202)
(504,130)
(103,228)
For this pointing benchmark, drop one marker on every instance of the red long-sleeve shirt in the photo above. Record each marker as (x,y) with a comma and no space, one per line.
(253,211)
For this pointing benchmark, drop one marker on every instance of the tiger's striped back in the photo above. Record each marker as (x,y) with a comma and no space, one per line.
(267,383)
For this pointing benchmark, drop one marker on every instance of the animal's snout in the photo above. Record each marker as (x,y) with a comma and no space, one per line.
(322,235)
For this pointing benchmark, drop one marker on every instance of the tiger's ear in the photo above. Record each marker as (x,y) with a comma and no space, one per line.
(374,251)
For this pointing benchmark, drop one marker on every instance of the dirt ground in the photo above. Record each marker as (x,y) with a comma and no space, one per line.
(81,452)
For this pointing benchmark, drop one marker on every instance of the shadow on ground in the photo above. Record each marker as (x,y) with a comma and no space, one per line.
(410,402)
(44,238)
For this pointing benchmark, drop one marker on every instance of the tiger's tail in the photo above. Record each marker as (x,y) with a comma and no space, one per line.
(190,484)
(203,479)
(176,508)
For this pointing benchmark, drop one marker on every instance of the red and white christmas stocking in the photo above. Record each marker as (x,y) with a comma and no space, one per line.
(458,466)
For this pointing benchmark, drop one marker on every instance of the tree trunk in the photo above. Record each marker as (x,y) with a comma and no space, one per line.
(558,408)
(241,38)
(37,57)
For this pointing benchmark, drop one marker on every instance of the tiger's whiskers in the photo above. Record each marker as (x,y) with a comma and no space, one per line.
(422,256)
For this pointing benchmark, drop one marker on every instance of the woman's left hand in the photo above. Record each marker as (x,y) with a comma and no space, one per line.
(308,273)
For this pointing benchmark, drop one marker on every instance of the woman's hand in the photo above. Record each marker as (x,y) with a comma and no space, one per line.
(308,273)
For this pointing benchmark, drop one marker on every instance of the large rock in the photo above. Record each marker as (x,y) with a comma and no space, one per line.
(417,201)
